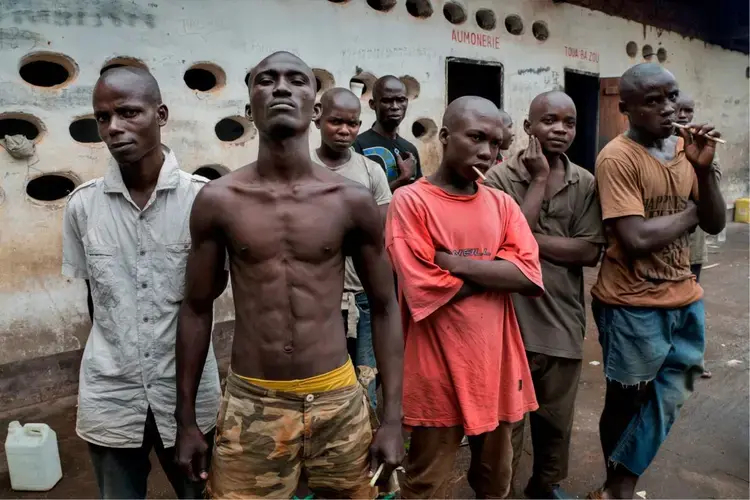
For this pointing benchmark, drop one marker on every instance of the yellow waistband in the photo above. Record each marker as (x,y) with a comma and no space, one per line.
(343,376)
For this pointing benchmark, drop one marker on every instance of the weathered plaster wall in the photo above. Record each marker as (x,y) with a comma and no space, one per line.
(42,313)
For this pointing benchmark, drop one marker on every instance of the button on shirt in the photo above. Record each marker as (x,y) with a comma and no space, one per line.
(135,262)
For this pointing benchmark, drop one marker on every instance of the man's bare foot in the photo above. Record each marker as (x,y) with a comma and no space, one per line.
(706,373)
(601,493)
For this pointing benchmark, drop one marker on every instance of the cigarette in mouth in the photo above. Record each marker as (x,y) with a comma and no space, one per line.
(479,173)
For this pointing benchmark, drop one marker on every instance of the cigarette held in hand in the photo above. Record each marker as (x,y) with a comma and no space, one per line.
(710,138)
(479,173)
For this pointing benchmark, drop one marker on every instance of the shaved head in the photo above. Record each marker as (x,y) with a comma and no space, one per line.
(541,103)
(340,98)
(137,80)
(685,100)
(507,120)
(467,107)
(639,77)
(386,82)
(279,56)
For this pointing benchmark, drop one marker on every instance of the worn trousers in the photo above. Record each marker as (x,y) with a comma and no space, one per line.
(556,385)
(123,472)
(360,348)
(651,358)
(432,453)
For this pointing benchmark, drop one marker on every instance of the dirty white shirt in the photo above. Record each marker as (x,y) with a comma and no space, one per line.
(135,261)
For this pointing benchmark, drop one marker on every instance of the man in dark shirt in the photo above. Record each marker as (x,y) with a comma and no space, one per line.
(382,144)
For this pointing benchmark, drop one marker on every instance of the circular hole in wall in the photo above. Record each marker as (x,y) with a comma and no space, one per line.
(648,52)
(661,55)
(338,1)
(235,129)
(120,61)
(631,49)
(50,187)
(47,69)
(514,24)
(85,130)
(204,77)
(323,80)
(23,124)
(486,19)
(454,12)
(211,172)
(412,86)
(382,5)
(540,30)
(424,129)
(419,8)
(361,84)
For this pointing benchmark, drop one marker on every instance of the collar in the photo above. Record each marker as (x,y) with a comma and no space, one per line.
(169,175)
(515,165)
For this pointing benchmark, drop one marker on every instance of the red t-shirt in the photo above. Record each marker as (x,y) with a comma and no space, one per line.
(464,362)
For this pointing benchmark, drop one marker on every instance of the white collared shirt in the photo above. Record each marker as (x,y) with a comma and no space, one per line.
(135,262)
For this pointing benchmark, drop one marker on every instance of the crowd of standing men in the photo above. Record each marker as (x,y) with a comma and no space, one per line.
(486,324)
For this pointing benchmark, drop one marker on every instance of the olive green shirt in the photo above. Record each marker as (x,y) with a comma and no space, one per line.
(698,247)
(555,323)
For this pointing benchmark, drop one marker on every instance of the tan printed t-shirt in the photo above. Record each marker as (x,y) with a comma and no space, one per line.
(632,182)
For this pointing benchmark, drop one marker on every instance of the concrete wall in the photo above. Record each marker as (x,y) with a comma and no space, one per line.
(42,313)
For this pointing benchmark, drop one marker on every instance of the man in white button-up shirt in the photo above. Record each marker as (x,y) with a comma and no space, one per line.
(127,235)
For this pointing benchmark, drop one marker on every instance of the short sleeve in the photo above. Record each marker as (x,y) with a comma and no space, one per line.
(425,286)
(357,147)
(587,224)
(619,189)
(379,183)
(418,170)
(74,255)
(519,247)
(497,177)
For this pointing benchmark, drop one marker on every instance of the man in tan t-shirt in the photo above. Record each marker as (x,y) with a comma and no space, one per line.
(337,117)
(654,189)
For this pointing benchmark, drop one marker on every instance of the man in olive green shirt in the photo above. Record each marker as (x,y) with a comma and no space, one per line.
(559,201)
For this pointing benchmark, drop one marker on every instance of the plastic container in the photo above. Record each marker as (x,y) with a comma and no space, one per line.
(33,457)
(742,210)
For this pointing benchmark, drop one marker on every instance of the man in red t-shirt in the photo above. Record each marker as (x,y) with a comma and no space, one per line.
(459,250)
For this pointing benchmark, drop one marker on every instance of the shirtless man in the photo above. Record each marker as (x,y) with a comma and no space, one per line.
(292,404)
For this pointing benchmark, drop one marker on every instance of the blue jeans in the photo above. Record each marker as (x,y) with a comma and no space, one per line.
(360,349)
(651,357)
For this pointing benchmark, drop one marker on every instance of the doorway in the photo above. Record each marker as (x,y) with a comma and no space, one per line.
(611,122)
(473,77)
(583,88)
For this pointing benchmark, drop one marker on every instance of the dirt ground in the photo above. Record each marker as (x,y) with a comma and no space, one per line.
(705,456)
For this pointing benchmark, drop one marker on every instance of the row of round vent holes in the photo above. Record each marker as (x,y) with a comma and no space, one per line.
(84,130)
(53,187)
(456,13)
(631,49)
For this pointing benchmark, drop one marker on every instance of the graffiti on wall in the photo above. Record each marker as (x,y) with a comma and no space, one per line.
(582,54)
(93,13)
(476,39)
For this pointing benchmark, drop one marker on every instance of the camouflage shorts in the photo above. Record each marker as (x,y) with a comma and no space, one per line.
(265,439)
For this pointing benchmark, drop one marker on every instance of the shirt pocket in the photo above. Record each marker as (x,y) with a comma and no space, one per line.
(173,270)
(102,267)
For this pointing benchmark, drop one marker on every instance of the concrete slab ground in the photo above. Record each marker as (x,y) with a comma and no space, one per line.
(705,456)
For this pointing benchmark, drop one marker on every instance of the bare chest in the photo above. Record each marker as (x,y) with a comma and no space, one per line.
(306,227)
